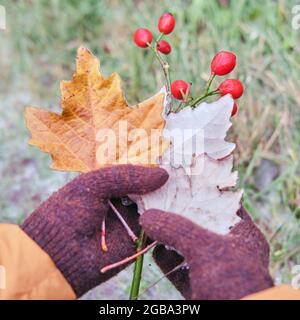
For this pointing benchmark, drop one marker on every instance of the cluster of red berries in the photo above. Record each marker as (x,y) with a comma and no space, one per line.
(222,63)
(143,37)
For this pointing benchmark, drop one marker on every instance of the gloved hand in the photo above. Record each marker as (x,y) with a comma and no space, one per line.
(67,225)
(219,267)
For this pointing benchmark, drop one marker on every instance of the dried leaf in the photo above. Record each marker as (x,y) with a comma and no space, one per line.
(198,185)
(94,107)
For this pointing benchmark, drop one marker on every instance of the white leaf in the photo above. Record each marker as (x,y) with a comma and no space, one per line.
(199,178)
(193,132)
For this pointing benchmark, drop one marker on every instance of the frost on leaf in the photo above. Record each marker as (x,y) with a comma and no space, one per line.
(199,182)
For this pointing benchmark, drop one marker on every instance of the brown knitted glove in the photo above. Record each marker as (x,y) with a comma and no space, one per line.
(219,267)
(67,225)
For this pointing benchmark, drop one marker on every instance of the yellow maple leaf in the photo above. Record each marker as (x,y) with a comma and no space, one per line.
(95,115)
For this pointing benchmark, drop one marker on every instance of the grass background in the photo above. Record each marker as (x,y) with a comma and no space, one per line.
(38,50)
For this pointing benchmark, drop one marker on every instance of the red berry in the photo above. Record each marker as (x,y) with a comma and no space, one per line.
(177,87)
(164,47)
(142,37)
(234,109)
(222,63)
(232,86)
(166,23)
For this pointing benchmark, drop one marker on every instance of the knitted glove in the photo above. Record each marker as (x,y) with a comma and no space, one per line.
(219,266)
(67,225)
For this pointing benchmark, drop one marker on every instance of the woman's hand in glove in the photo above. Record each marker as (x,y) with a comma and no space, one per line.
(219,267)
(68,225)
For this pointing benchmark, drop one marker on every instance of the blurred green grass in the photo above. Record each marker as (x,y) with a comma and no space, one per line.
(38,50)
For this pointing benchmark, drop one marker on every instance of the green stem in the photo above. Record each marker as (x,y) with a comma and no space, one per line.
(211,78)
(159,37)
(138,268)
(165,67)
(197,100)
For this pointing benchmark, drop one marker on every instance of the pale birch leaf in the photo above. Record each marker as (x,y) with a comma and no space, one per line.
(193,132)
(199,185)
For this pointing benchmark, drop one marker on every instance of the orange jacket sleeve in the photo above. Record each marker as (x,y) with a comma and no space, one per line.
(283,292)
(26,271)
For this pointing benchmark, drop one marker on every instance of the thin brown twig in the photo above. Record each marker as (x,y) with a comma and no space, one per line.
(185,98)
(103,240)
(161,278)
(124,223)
(165,67)
(128,259)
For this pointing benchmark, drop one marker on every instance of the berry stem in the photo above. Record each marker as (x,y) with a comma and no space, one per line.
(186,96)
(165,67)
(210,80)
(205,95)
(159,37)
